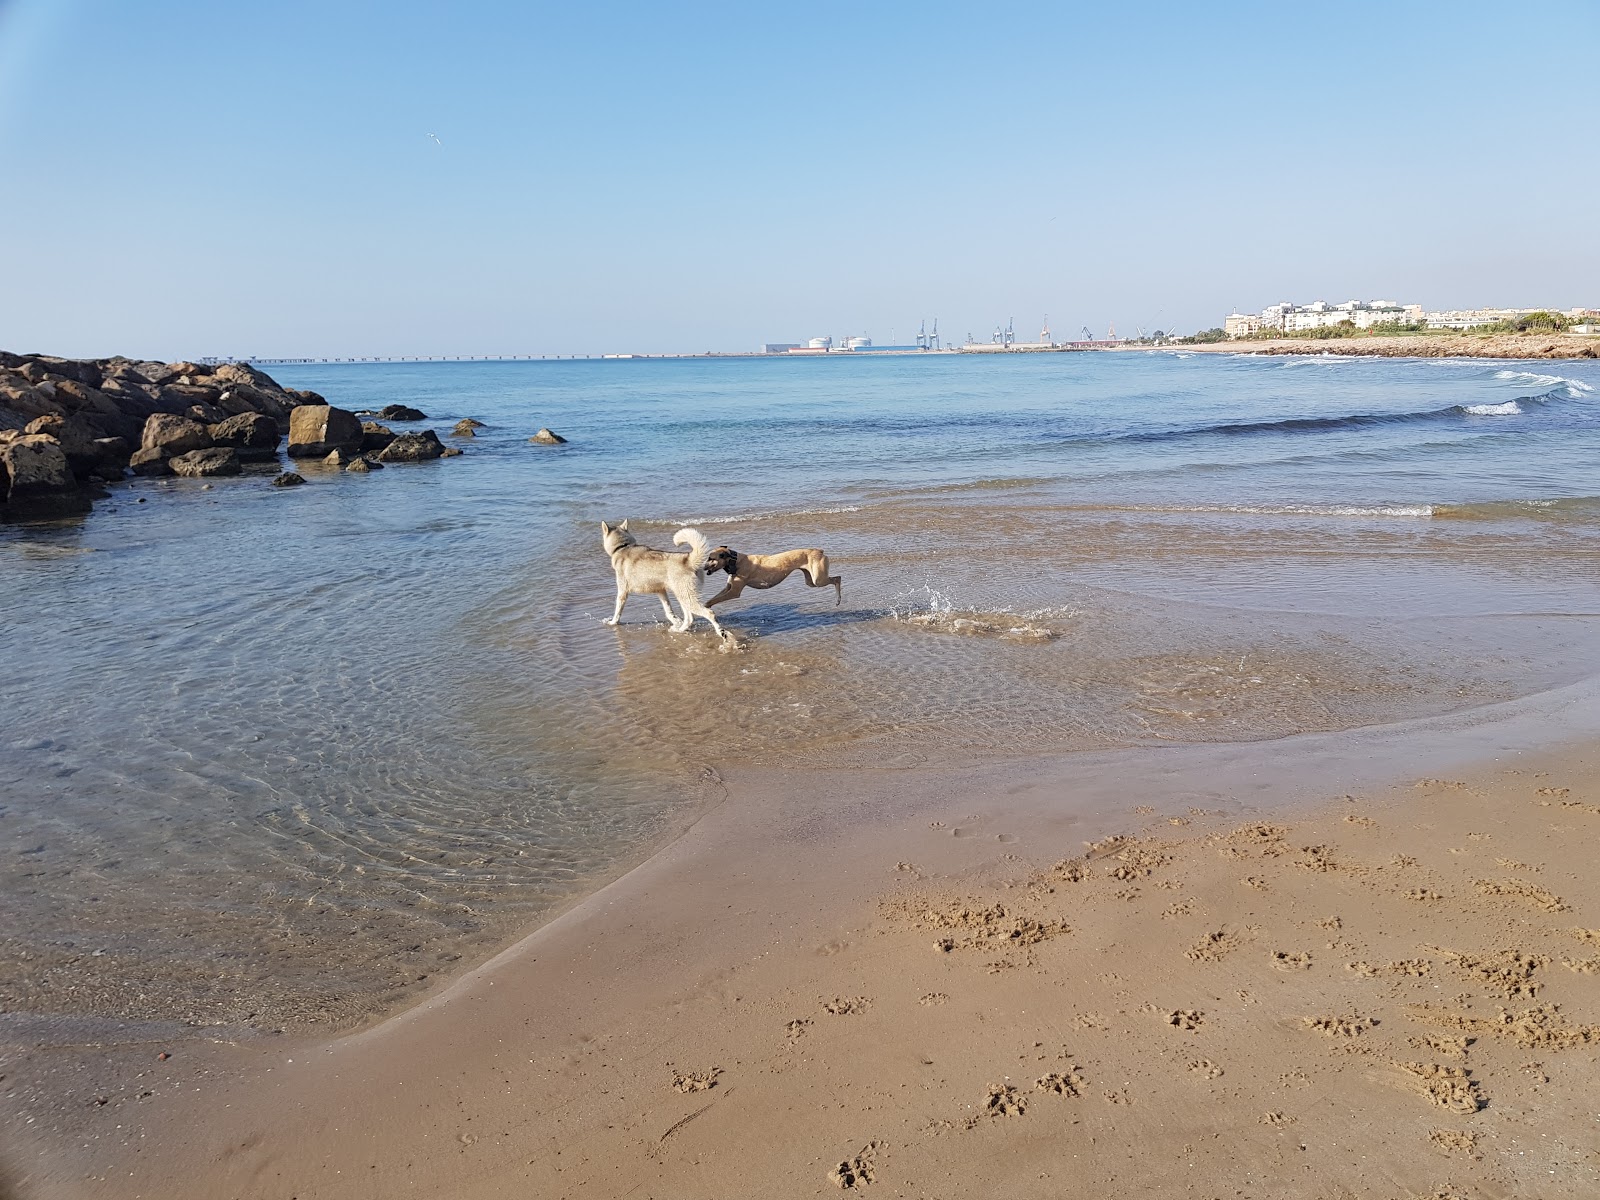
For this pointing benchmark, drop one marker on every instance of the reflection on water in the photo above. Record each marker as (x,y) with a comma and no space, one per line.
(278,758)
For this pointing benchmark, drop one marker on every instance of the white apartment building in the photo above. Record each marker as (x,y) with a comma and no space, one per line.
(1293,318)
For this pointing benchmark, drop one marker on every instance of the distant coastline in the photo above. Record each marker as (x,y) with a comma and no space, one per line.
(1442,345)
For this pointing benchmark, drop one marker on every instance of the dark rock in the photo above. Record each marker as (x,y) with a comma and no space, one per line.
(545,438)
(79,370)
(316,430)
(253,436)
(149,462)
(412,447)
(303,397)
(451,452)
(401,412)
(466,427)
(113,451)
(174,434)
(73,436)
(375,436)
(199,464)
(362,465)
(289,479)
(37,480)
(341,458)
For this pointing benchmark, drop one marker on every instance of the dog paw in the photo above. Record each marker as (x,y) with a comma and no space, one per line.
(609,621)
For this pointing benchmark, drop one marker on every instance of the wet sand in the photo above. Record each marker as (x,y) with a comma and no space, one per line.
(1366,961)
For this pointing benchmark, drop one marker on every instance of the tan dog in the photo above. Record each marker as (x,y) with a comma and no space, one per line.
(769,570)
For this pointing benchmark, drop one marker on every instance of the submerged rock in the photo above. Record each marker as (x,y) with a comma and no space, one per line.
(288,479)
(546,438)
(316,430)
(412,447)
(466,427)
(198,464)
(401,412)
(362,465)
(149,462)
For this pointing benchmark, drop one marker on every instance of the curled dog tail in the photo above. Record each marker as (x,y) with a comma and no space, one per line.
(698,549)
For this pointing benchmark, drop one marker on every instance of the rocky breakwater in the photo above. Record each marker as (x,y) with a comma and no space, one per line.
(70,426)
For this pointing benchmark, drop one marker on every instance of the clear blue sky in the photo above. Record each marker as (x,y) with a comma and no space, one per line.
(186,178)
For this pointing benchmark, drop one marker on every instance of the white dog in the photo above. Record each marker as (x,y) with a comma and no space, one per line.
(645,572)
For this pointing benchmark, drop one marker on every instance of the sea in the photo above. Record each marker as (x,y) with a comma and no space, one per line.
(283,759)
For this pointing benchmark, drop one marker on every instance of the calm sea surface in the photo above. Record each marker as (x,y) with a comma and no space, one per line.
(279,757)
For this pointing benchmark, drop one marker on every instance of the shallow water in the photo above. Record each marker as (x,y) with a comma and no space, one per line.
(282,757)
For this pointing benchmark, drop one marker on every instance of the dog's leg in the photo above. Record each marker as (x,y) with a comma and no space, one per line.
(700,610)
(816,573)
(672,617)
(622,598)
(731,592)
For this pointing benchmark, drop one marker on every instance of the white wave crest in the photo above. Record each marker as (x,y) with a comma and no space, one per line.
(1546,381)
(742,518)
(1300,510)
(1509,409)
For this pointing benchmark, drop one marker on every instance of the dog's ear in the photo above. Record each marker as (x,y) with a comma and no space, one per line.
(624,525)
(605,530)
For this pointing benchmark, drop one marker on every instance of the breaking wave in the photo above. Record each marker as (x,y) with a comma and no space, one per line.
(1546,381)
(1453,413)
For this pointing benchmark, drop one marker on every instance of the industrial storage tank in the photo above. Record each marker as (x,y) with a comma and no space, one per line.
(822,343)
(858,343)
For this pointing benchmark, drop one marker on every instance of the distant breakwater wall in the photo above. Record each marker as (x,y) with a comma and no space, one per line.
(71,427)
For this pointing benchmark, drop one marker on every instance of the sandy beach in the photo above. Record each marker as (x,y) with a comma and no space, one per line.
(1334,965)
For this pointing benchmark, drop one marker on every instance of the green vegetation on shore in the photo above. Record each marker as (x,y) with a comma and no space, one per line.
(1535,322)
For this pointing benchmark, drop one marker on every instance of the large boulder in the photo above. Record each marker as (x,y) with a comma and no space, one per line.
(180,397)
(402,412)
(75,438)
(412,447)
(252,436)
(173,434)
(317,430)
(466,427)
(198,464)
(546,437)
(375,436)
(36,479)
(154,372)
(80,370)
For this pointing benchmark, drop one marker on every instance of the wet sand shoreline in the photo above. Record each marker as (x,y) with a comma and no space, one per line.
(753,1007)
